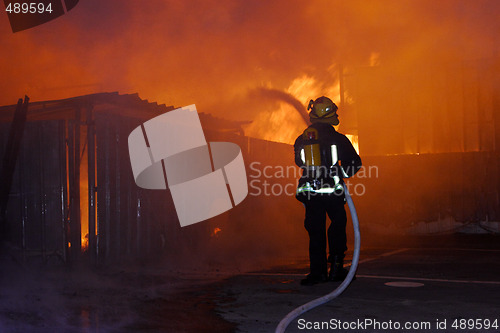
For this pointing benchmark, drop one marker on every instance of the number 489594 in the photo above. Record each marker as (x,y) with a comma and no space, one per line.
(31,8)
(475,324)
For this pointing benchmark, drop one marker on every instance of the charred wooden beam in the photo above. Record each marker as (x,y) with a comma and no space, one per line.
(10,158)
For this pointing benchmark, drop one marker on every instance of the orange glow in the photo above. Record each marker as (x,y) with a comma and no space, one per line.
(214,54)
(85,242)
(84,196)
(354,140)
(84,192)
(284,123)
(215,232)
(280,125)
(306,87)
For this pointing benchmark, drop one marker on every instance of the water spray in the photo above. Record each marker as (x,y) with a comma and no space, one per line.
(343,286)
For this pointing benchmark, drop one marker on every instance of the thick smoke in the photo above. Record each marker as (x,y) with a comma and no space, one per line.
(213,53)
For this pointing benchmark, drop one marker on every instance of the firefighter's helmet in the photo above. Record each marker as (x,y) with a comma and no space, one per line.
(324,110)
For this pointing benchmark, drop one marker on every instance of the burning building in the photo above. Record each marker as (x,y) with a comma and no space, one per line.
(73,192)
(433,133)
(429,149)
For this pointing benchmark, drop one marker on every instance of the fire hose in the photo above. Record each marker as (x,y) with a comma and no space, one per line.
(352,270)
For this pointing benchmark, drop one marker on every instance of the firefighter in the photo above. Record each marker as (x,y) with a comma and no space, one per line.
(326,158)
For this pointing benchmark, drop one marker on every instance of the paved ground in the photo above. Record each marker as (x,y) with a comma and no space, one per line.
(439,281)
(432,286)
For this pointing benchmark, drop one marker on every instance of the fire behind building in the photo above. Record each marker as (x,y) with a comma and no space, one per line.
(430,152)
(73,194)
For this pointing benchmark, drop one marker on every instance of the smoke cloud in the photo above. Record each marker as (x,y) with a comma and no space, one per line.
(230,57)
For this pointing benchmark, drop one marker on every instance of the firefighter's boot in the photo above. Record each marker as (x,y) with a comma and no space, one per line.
(312,279)
(337,270)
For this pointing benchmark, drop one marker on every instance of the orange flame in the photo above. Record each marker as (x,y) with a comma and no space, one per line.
(285,123)
(215,232)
